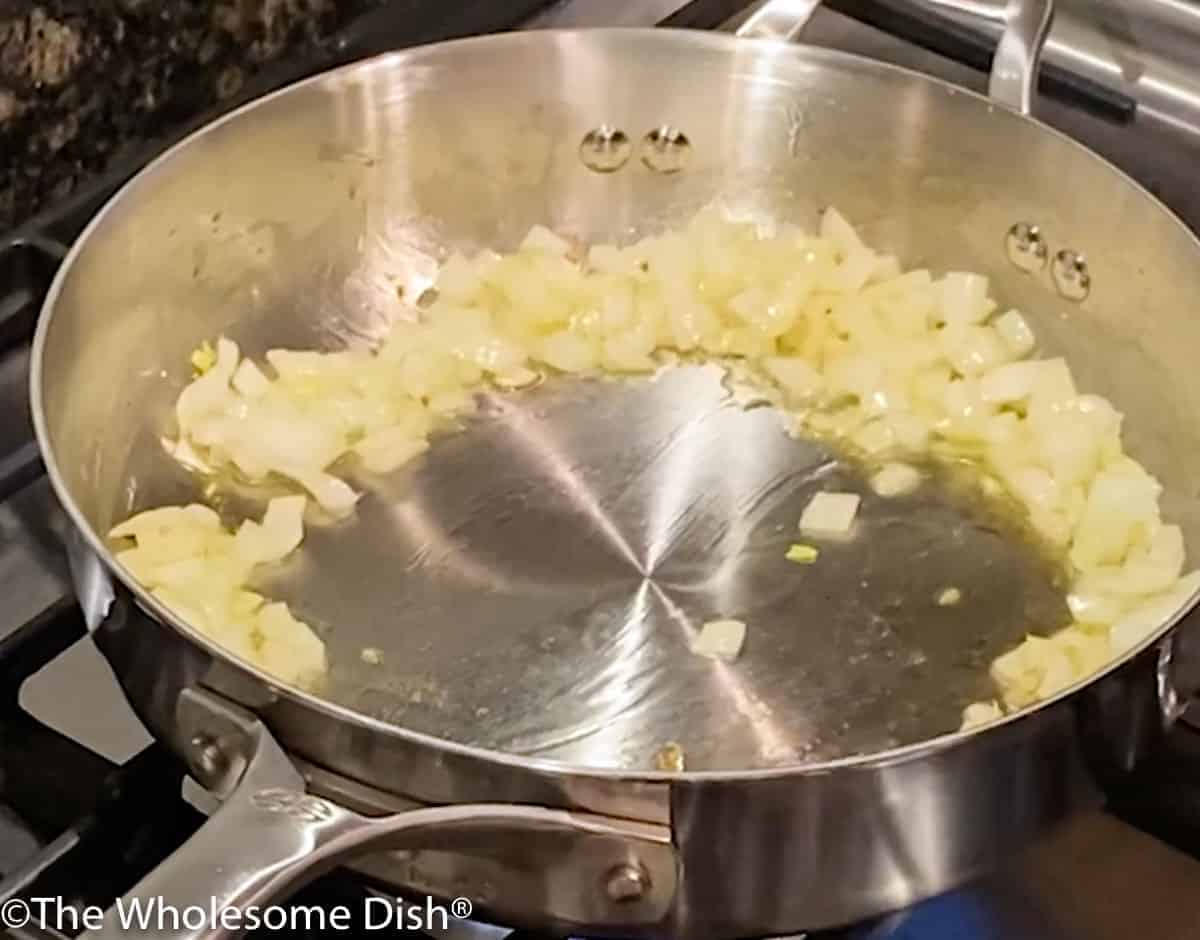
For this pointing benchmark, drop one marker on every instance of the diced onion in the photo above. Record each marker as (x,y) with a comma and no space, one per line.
(1011,382)
(802,554)
(204,358)
(329,491)
(1043,666)
(1016,333)
(798,378)
(948,597)
(895,365)
(895,479)
(965,298)
(981,713)
(541,238)
(385,450)
(830,514)
(1137,624)
(288,648)
(277,536)
(200,571)
(167,519)
(249,381)
(720,639)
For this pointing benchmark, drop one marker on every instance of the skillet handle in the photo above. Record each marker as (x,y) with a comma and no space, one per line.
(778,19)
(269,838)
(1013,79)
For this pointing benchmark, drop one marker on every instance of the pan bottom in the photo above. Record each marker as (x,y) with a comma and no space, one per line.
(533,584)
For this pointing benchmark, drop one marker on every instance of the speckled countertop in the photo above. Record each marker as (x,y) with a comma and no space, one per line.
(83,81)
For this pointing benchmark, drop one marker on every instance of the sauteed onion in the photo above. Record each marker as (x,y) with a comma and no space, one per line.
(896,365)
(199,569)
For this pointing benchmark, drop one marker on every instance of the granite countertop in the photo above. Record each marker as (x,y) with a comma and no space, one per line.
(82,82)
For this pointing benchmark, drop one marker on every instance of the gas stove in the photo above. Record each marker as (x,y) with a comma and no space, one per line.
(89,803)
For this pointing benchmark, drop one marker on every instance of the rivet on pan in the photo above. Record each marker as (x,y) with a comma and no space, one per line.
(605,149)
(1026,247)
(1071,276)
(665,149)
(207,757)
(625,883)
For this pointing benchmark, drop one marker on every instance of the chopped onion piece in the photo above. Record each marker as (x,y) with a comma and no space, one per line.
(167,518)
(516,378)
(887,267)
(568,352)
(981,713)
(830,514)
(389,448)
(801,554)
(1151,614)
(720,639)
(895,479)
(798,378)
(1053,386)
(949,597)
(541,238)
(1011,382)
(835,227)
(1122,502)
(973,350)
(1095,606)
(287,648)
(333,495)
(210,392)
(1016,333)
(277,536)
(965,298)
(249,380)
(203,358)
(200,571)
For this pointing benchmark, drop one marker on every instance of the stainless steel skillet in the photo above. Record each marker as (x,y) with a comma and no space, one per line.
(825,785)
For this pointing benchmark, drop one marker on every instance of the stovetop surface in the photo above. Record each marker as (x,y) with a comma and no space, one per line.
(79,81)
(86,85)
(84,795)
